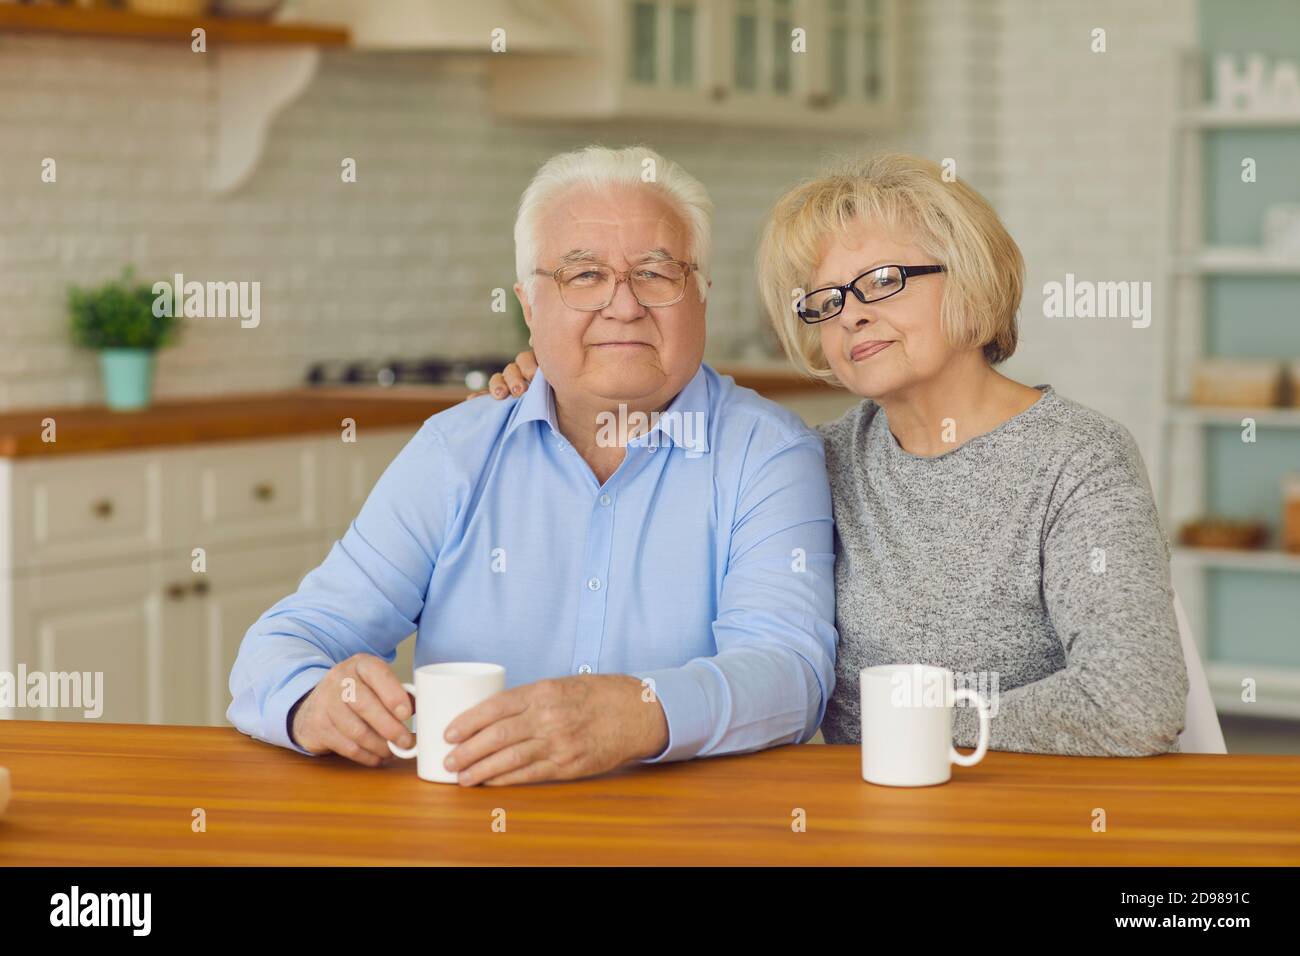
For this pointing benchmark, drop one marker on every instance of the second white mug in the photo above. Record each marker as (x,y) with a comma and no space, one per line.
(442,693)
(907,725)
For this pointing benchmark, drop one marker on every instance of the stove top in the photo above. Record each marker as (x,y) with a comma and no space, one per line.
(471,373)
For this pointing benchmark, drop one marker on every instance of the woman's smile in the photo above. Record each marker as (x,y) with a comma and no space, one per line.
(866,350)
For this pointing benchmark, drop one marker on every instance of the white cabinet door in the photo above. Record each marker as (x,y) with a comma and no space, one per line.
(107,625)
(243,491)
(239,586)
(82,509)
(359,465)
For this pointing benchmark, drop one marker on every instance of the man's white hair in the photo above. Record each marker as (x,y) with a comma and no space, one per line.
(597,167)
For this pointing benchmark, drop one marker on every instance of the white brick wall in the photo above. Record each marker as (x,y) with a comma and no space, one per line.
(1070,145)
(1083,159)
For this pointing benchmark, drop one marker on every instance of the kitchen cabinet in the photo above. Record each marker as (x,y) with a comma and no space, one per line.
(262,489)
(105,620)
(100,570)
(784,63)
(83,510)
(240,584)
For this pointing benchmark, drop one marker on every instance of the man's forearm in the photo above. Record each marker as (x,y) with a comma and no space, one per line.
(745,698)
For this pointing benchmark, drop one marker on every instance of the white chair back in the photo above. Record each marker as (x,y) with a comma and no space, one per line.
(1201,731)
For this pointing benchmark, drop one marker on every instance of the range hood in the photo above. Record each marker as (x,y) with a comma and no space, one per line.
(452,26)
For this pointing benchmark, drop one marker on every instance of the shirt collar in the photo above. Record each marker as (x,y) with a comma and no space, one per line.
(536,405)
(685,422)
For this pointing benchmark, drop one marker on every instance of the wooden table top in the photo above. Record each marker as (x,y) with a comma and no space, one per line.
(120,794)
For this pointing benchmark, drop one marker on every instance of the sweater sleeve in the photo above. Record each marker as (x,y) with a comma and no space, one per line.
(1106,587)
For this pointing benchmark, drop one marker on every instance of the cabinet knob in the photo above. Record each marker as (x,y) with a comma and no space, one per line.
(175,591)
(201,587)
(264,491)
(103,508)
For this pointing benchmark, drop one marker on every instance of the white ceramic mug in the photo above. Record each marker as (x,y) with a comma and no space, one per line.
(907,725)
(442,693)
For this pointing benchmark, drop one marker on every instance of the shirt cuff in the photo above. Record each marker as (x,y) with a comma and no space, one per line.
(686,706)
(279,703)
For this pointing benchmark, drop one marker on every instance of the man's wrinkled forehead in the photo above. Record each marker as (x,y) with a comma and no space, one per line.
(605,231)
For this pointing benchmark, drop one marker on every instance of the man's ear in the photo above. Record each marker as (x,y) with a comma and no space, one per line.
(527,306)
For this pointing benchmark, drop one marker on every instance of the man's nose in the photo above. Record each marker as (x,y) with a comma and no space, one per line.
(624,304)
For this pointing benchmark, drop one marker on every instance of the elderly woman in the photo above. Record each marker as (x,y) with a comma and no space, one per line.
(1000,531)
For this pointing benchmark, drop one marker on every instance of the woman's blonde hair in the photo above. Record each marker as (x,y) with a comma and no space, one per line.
(952,223)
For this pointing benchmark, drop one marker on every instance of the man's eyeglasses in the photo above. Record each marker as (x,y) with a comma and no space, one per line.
(880,283)
(590,286)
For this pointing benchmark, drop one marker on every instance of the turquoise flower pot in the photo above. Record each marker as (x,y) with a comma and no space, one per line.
(128,377)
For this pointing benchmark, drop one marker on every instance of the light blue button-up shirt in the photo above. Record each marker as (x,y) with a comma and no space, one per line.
(704,564)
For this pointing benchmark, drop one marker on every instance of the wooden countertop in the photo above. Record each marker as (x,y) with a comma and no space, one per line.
(118,794)
(219,418)
(301,411)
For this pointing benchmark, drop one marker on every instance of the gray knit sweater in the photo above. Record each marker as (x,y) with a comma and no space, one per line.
(1029,560)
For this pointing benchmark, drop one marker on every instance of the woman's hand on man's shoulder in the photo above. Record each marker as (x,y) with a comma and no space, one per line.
(511,380)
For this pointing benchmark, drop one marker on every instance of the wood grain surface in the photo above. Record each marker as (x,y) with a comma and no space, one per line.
(118,794)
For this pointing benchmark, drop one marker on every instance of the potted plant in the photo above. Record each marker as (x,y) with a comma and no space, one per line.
(118,319)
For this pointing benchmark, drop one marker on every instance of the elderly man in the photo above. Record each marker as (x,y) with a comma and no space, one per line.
(643,545)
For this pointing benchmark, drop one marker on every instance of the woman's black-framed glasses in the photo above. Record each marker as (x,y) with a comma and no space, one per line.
(881,282)
(590,286)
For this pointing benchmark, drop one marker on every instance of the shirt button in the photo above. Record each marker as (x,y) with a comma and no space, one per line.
(605,499)
(593,584)
(584,669)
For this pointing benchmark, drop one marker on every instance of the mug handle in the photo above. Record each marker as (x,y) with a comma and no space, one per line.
(398,751)
(982,746)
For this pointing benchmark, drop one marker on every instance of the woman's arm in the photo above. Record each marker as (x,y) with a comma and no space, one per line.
(1105,583)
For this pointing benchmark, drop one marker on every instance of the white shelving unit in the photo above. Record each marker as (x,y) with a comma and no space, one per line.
(1231,560)
(1238,260)
(1182,491)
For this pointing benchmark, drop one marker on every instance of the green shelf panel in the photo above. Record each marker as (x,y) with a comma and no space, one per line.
(1254,618)
(1244,480)
(1234,210)
(1253,317)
